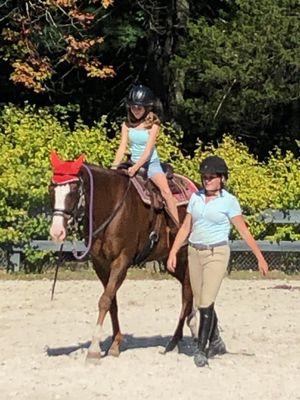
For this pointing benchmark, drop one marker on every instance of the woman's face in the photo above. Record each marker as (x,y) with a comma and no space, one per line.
(137,111)
(211,182)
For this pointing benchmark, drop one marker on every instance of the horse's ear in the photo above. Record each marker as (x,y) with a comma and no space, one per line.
(80,160)
(55,160)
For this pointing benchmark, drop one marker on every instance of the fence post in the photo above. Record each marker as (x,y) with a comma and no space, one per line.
(14,261)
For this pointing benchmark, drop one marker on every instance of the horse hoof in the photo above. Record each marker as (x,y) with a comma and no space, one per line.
(113,352)
(93,358)
(170,346)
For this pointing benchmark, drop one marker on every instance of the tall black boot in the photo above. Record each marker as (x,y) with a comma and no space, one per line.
(205,329)
(216,344)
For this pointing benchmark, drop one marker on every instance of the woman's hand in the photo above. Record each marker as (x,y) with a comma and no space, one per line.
(172,261)
(132,170)
(239,222)
(180,239)
(263,266)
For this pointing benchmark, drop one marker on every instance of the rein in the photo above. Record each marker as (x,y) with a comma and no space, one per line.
(58,263)
(111,217)
(75,252)
(92,234)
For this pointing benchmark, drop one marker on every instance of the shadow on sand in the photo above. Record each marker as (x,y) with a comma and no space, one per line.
(185,346)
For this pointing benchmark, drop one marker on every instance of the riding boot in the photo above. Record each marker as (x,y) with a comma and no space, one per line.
(205,328)
(216,344)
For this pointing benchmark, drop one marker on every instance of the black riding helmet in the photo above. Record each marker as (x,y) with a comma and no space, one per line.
(214,165)
(140,95)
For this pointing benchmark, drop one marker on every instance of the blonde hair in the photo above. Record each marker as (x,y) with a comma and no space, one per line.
(151,119)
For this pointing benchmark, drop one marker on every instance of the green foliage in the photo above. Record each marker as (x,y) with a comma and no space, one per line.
(273,184)
(234,64)
(28,135)
(26,139)
(241,73)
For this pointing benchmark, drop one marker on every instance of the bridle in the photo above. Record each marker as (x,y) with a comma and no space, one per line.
(79,207)
(75,215)
(71,217)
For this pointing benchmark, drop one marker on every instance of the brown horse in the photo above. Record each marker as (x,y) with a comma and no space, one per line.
(117,228)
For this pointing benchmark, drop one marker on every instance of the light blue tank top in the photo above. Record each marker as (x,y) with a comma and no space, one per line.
(138,139)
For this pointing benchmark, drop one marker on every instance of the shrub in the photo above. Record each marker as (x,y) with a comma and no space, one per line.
(28,135)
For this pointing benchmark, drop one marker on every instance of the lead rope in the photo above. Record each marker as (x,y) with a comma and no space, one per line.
(105,223)
(58,263)
(91,234)
(74,251)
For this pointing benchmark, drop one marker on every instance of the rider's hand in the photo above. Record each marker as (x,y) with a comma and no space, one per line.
(172,261)
(132,171)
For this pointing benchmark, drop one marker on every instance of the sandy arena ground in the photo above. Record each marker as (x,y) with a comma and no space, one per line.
(44,343)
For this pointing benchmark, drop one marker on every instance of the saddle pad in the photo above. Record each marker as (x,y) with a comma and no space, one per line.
(182,188)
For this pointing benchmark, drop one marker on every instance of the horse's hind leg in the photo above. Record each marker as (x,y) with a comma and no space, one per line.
(182,274)
(117,274)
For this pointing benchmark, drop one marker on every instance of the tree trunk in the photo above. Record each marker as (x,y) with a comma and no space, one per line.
(167,29)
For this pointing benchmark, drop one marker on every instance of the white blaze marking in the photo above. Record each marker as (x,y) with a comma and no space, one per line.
(57,230)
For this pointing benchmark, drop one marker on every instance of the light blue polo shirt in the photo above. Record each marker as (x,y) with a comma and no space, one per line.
(211,221)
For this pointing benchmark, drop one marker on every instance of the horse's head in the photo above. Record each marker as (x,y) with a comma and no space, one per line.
(65,193)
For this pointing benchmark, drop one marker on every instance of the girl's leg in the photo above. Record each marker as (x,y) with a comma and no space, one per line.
(161,182)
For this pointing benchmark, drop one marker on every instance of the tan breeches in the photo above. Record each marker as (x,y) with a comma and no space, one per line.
(207,270)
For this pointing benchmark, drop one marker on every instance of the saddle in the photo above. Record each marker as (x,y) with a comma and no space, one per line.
(181,187)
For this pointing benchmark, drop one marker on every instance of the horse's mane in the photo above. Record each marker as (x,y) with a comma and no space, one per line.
(99,169)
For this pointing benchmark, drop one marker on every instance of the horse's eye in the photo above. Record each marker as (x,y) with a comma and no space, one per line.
(73,187)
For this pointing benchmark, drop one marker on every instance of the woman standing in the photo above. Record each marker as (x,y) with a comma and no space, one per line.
(210,213)
(141,129)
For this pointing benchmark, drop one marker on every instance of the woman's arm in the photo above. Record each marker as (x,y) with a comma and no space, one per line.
(153,132)
(243,230)
(122,146)
(181,237)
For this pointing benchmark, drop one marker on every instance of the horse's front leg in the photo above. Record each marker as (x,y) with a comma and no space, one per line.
(117,338)
(107,302)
